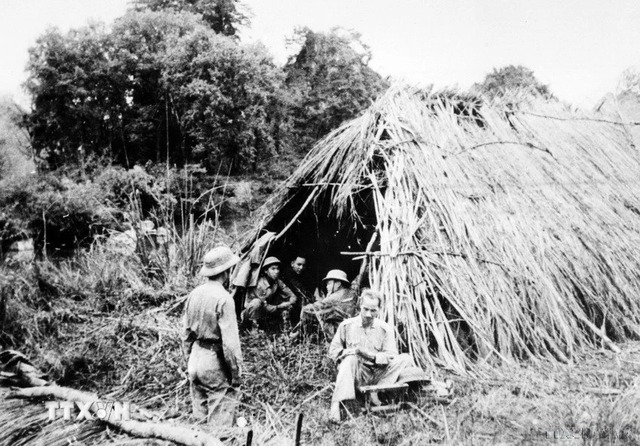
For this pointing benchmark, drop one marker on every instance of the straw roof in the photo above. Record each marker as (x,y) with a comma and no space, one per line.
(514,233)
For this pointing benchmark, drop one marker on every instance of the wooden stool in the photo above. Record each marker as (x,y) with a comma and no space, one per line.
(397,389)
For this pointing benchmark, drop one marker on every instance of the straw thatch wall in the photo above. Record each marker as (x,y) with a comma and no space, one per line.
(514,234)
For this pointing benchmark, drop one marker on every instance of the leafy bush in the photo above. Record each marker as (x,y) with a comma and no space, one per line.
(121,187)
(53,211)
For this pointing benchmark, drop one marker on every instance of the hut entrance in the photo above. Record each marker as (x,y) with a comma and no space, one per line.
(321,237)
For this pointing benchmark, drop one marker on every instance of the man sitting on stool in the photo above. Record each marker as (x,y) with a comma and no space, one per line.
(365,349)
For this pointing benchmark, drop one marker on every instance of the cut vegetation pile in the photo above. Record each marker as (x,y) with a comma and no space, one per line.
(503,231)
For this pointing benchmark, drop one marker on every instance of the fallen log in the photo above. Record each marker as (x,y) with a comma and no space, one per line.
(177,434)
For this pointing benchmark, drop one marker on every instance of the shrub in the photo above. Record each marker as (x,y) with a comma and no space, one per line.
(53,211)
(121,187)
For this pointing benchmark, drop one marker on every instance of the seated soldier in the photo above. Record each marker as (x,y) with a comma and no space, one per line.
(295,279)
(270,300)
(339,304)
(365,349)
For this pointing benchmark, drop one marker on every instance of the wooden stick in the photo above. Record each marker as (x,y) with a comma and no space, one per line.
(493,143)
(311,196)
(298,429)
(606,121)
(324,389)
(363,267)
(417,253)
(425,415)
(446,425)
(294,186)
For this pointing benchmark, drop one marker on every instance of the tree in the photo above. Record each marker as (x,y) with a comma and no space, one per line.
(226,97)
(161,87)
(223,16)
(67,81)
(141,41)
(629,82)
(511,78)
(15,152)
(329,80)
(98,94)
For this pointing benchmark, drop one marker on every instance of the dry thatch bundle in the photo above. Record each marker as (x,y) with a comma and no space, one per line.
(509,232)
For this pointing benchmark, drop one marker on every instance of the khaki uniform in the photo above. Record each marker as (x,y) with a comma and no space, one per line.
(356,371)
(215,361)
(330,311)
(262,301)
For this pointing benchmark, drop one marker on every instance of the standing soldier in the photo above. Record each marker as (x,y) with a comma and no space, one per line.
(212,342)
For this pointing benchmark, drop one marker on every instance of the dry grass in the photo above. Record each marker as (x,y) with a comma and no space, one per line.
(132,353)
(519,238)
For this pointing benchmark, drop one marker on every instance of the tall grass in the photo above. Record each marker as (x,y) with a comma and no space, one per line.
(46,306)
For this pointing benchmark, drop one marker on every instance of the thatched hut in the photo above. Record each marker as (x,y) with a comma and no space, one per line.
(506,231)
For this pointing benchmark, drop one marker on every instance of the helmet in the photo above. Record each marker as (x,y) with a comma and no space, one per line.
(270,261)
(217,261)
(337,274)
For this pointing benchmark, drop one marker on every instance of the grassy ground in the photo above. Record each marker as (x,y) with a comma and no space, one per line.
(100,324)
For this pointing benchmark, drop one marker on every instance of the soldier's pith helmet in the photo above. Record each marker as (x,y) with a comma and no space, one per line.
(270,261)
(337,274)
(414,374)
(217,261)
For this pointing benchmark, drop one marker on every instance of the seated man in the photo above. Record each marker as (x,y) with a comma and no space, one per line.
(270,300)
(338,305)
(365,349)
(295,278)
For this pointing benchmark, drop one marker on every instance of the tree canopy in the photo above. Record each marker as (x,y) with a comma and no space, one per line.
(510,78)
(165,85)
(223,16)
(161,86)
(330,80)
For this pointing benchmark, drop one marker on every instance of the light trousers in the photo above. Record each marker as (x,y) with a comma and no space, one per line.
(213,398)
(353,372)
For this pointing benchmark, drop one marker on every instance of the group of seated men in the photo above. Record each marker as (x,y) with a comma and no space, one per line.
(288,301)
(364,347)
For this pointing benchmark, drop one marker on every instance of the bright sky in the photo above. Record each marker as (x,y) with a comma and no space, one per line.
(578,47)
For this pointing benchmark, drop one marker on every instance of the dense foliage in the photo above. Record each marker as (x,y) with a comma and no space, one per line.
(15,152)
(223,16)
(159,87)
(167,85)
(331,80)
(54,211)
(510,78)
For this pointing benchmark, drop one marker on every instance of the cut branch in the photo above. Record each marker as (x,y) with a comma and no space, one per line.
(605,121)
(517,143)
